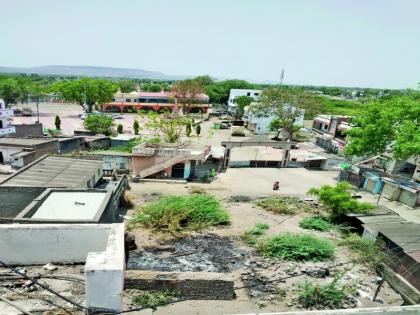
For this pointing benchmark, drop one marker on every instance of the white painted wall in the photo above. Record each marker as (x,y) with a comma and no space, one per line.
(241,92)
(104,273)
(7,152)
(29,244)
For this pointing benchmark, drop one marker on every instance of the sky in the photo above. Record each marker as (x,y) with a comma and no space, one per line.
(366,43)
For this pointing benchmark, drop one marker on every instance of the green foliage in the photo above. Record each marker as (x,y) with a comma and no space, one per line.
(286,105)
(297,247)
(94,91)
(57,122)
(166,124)
(331,295)
(316,223)
(366,251)
(99,124)
(387,121)
(250,237)
(188,129)
(338,107)
(151,87)
(242,102)
(277,205)
(128,147)
(127,86)
(154,299)
(339,201)
(219,91)
(120,128)
(198,129)
(175,214)
(136,126)
(276,125)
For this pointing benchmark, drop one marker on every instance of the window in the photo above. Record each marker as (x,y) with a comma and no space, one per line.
(326,127)
(248,94)
(256,94)
(127,100)
(113,99)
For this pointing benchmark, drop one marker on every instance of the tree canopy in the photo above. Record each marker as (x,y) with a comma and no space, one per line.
(186,92)
(99,124)
(391,121)
(242,102)
(285,105)
(219,91)
(96,91)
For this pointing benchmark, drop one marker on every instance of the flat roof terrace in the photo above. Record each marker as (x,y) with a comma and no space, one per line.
(24,142)
(51,171)
(70,206)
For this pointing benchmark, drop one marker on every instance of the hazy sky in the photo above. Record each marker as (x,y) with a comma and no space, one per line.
(372,43)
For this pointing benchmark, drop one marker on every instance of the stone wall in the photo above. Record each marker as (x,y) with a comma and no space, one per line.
(193,285)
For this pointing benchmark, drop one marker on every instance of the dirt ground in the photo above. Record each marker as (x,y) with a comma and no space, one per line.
(256,183)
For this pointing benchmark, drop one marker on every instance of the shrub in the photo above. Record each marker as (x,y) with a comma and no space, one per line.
(316,223)
(250,236)
(177,213)
(276,205)
(339,201)
(136,127)
(331,295)
(366,250)
(57,122)
(120,128)
(98,124)
(154,299)
(297,247)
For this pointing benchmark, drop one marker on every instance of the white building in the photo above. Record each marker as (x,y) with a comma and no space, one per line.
(5,114)
(261,124)
(240,92)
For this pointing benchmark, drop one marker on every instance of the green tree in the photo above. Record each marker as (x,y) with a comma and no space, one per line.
(170,127)
(339,201)
(57,122)
(219,91)
(276,125)
(391,121)
(9,91)
(93,91)
(242,102)
(136,127)
(99,124)
(120,128)
(286,105)
(127,86)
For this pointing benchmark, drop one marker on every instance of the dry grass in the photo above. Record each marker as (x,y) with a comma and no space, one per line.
(127,200)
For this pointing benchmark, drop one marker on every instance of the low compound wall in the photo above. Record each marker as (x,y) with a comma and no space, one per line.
(100,246)
(31,244)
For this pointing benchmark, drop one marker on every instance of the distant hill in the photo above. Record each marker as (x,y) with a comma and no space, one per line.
(90,71)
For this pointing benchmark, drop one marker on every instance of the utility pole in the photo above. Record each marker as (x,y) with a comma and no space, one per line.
(37,108)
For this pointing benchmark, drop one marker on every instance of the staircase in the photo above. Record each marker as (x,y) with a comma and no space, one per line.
(162,165)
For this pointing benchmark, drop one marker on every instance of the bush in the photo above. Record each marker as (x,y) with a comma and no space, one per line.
(177,213)
(98,124)
(331,295)
(297,247)
(276,205)
(366,250)
(154,299)
(136,127)
(120,128)
(316,223)
(339,201)
(250,236)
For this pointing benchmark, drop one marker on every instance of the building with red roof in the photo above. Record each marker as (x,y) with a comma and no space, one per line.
(156,101)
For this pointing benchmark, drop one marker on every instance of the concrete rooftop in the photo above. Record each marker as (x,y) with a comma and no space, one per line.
(23,142)
(53,171)
(70,206)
